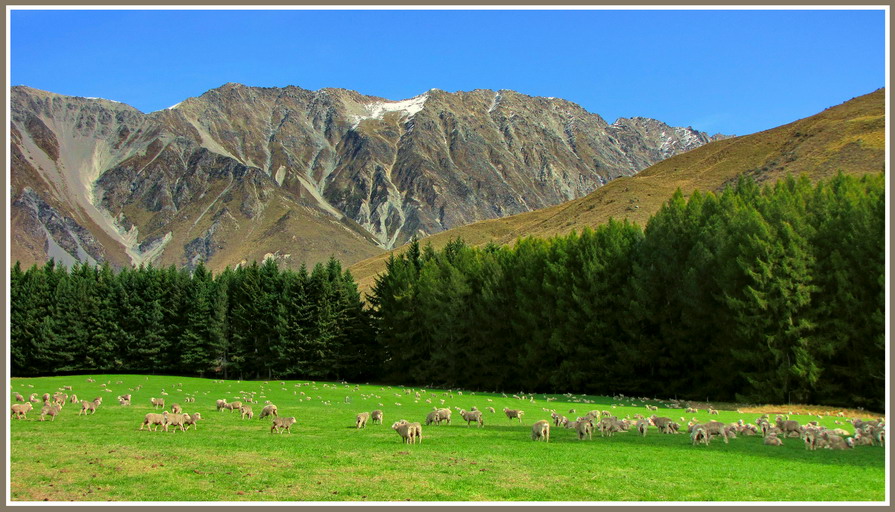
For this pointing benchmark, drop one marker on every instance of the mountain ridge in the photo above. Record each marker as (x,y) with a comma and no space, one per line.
(193,181)
(849,137)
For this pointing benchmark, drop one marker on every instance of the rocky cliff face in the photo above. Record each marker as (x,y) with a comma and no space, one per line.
(242,173)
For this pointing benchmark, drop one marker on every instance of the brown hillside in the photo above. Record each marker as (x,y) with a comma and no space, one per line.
(849,137)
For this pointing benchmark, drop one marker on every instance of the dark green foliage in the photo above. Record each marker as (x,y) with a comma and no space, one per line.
(771,294)
(251,322)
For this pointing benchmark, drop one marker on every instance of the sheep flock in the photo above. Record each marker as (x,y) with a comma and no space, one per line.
(776,429)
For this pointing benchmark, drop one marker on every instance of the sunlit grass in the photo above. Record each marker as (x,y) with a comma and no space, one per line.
(105,457)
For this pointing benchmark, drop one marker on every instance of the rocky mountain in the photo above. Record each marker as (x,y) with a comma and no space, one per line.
(243,173)
(848,138)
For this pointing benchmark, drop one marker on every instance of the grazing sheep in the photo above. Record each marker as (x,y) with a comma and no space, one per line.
(809,436)
(361,420)
(126,397)
(834,442)
(660,422)
(671,428)
(123,401)
(191,420)
(234,406)
(749,430)
(407,433)
(788,426)
(642,426)
(471,416)
(33,398)
(73,399)
(540,431)
(19,397)
(282,423)
(490,409)
(513,413)
(21,410)
(417,431)
(175,419)
(88,407)
(157,402)
(46,397)
(607,426)
(433,417)
(714,428)
(152,419)
(176,409)
(879,435)
(712,411)
(269,410)
(860,440)
(445,415)
(584,429)
(376,416)
(700,436)
(51,410)
(221,404)
(773,440)
(246,410)
(60,398)
(692,410)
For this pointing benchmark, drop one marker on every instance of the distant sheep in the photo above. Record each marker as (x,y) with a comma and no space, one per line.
(642,426)
(540,431)
(191,420)
(50,410)
(773,440)
(174,419)
(376,416)
(152,419)
(157,402)
(410,433)
(700,436)
(21,410)
(282,423)
(88,407)
(19,397)
(471,416)
(513,413)
(584,429)
(407,433)
(246,411)
(433,417)
(788,426)
(360,421)
(234,406)
(444,415)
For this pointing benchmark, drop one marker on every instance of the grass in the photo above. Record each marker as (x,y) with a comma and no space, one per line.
(104,456)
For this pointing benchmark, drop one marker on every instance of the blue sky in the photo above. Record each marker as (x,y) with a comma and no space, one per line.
(727,71)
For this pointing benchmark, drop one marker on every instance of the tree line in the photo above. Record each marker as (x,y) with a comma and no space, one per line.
(770,294)
(767,294)
(256,321)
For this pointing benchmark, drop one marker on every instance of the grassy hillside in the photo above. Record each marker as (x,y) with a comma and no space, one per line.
(105,457)
(849,137)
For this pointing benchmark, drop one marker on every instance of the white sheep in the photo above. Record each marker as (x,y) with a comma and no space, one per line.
(540,430)
(282,423)
(360,421)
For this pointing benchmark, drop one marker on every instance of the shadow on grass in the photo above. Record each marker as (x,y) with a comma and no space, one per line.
(793,449)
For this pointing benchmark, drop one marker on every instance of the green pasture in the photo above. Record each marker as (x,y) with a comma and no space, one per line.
(105,457)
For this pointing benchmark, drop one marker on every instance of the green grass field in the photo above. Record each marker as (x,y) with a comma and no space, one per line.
(105,457)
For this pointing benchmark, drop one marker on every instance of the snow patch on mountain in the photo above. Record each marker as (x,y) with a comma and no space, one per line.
(407,108)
